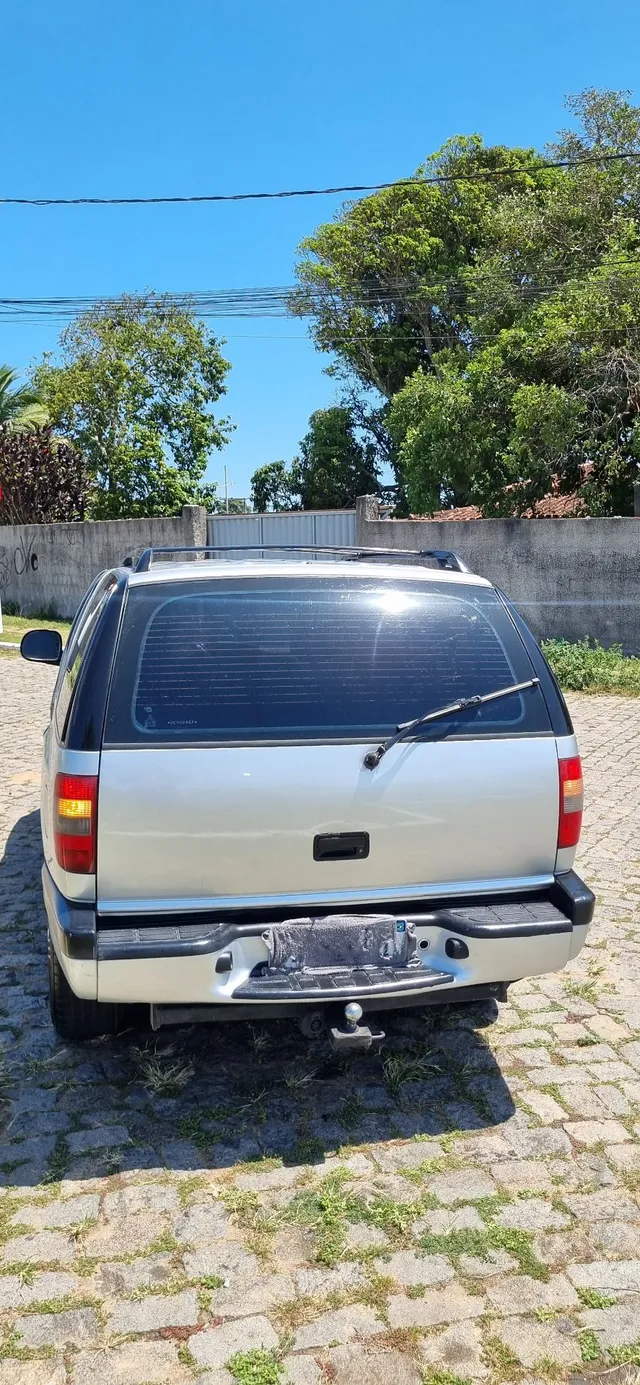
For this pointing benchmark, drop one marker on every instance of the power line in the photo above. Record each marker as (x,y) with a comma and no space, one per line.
(276,301)
(480,175)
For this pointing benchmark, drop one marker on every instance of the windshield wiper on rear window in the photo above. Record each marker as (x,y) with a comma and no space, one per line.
(373,758)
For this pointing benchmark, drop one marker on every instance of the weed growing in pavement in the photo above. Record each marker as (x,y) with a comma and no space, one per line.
(504,1366)
(401,1067)
(519,1244)
(592,1298)
(162,1071)
(257,1367)
(444,1378)
(589,1347)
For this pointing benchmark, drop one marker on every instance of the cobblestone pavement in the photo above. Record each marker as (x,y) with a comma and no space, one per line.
(232,1205)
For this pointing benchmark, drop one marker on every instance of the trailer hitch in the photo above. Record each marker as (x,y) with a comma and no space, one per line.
(352,1036)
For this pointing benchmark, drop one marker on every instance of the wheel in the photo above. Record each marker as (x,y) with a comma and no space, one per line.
(72,1017)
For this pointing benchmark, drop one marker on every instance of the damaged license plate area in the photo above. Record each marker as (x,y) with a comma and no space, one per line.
(342,957)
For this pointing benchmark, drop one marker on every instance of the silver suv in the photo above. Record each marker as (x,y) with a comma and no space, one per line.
(322,785)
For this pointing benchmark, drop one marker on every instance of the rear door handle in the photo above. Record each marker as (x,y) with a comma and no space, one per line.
(341,846)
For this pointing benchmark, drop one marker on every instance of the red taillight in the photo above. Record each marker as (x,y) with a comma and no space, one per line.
(571,799)
(74,822)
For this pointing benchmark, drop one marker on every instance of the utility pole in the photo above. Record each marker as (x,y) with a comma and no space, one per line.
(226,491)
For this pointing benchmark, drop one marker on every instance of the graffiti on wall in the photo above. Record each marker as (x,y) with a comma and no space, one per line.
(22,560)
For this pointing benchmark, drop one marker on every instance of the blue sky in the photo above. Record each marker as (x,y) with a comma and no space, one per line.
(144,97)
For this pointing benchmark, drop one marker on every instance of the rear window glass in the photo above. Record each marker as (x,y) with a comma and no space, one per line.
(276,659)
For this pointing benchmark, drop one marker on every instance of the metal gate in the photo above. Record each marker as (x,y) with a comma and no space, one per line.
(290,526)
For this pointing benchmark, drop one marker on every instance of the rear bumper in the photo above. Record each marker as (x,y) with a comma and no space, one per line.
(210,960)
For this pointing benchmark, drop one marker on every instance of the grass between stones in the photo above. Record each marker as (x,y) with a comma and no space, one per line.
(257,1367)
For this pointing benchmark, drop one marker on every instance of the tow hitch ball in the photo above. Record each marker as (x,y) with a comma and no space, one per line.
(352,1035)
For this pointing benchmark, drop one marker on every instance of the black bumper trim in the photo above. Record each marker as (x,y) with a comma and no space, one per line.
(84,934)
(74,923)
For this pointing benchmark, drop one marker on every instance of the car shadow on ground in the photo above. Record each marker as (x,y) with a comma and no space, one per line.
(212,1097)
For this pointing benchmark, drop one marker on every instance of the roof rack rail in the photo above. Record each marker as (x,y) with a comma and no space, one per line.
(442,557)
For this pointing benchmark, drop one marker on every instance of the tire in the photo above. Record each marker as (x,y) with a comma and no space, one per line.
(72,1017)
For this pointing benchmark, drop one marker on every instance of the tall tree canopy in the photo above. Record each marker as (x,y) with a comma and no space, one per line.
(497,315)
(134,393)
(333,468)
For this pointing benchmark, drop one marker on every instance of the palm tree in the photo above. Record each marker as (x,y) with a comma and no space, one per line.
(21,407)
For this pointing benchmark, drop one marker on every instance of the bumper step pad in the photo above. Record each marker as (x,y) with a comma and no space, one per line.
(341,983)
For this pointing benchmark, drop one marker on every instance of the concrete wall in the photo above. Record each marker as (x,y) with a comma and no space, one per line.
(50,566)
(568,577)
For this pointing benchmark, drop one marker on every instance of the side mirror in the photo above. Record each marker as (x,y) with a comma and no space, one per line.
(41,646)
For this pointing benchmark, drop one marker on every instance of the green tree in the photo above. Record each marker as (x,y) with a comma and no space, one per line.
(21,406)
(497,317)
(274,487)
(333,468)
(134,393)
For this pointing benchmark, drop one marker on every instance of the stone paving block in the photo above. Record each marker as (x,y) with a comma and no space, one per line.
(133,1363)
(624,1156)
(319,1281)
(448,1305)
(606,1132)
(583,1101)
(630,1053)
(304,1370)
(458,1349)
(39,1248)
(537,1144)
(485,1267)
(608,1204)
(154,1312)
(532,1214)
(58,1214)
(104,1137)
(260,1297)
(544,1106)
(442,1221)
(215,1346)
(34,1373)
(228,1260)
(570,1030)
(16,1293)
(590,1053)
(409,1269)
(338,1326)
(608,1029)
(612,1099)
(114,1277)
(615,1327)
(481,1149)
(532,1000)
(522,1175)
(200,1225)
(529,1035)
(146,1197)
(265,1180)
(615,1237)
(521,1294)
(394,1158)
(359,1236)
(607,1275)
(532,1341)
(353,1365)
(77,1328)
(463,1185)
(126,1236)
